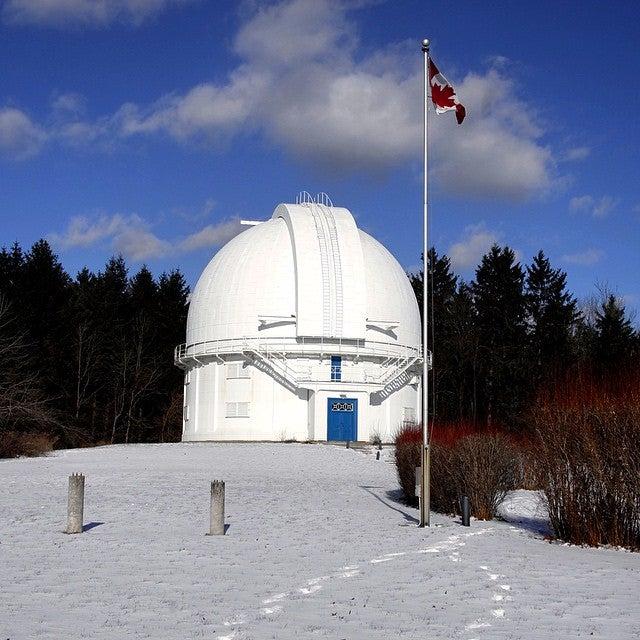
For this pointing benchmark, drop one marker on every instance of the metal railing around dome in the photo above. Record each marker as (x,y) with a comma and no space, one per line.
(386,365)
(291,346)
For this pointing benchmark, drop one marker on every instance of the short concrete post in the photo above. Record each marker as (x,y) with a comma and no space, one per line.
(216,527)
(75,504)
(465,508)
(377,455)
(348,444)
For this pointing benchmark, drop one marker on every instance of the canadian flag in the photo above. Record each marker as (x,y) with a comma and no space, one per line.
(443,95)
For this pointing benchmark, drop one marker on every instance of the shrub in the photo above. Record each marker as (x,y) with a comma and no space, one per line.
(14,444)
(407,456)
(485,470)
(589,449)
(481,465)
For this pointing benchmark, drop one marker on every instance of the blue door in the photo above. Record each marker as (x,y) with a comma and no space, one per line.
(342,419)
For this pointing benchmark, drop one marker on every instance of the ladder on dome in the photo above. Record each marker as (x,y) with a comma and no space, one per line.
(324,267)
(337,262)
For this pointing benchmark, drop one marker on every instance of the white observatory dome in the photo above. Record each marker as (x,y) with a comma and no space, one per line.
(301,327)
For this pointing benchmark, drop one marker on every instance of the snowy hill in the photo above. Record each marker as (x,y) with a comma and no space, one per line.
(318,547)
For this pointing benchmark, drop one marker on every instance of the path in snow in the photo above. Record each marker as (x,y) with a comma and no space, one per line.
(318,546)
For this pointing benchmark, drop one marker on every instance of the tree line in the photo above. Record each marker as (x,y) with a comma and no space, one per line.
(89,359)
(513,330)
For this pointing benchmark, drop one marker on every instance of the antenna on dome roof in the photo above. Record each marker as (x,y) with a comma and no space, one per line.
(324,199)
(304,197)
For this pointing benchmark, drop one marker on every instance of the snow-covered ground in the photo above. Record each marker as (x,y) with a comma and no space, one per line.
(318,547)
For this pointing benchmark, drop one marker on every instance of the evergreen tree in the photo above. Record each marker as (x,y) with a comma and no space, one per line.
(11,267)
(552,317)
(43,302)
(500,304)
(464,356)
(442,289)
(142,292)
(615,342)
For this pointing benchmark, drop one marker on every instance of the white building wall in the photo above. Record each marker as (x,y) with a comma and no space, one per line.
(274,412)
(267,285)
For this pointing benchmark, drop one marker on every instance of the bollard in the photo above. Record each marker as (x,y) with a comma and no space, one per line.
(465,507)
(377,455)
(348,444)
(216,527)
(75,504)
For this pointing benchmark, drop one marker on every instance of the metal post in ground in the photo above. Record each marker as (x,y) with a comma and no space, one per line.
(465,508)
(75,504)
(216,526)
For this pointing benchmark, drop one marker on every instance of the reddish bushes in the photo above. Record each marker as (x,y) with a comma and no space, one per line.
(589,460)
(14,444)
(481,465)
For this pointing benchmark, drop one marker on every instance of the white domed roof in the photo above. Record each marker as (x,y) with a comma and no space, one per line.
(308,272)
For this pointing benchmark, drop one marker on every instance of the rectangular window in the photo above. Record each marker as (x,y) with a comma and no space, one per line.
(237,370)
(336,368)
(409,415)
(237,410)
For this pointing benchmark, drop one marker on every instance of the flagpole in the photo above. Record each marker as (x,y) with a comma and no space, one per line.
(425,493)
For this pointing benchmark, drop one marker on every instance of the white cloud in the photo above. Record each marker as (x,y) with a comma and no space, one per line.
(598,208)
(94,13)
(133,236)
(475,242)
(213,235)
(20,137)
(604,206)
(581,203)
(584,258)
(64,104)
(577,153)
(301,84)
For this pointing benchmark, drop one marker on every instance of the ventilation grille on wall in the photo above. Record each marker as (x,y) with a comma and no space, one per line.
(237,410)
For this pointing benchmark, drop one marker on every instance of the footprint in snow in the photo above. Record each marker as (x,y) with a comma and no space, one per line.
(270,611)
(478,624)
(349,574)
(241,619)
(312,589)
(275,598)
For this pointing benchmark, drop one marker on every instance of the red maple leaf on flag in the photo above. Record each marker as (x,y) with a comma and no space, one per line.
(443,95)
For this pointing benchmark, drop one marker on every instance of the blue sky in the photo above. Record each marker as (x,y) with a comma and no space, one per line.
(149,127)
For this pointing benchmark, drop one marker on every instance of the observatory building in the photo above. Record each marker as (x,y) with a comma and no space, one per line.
(302,327)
